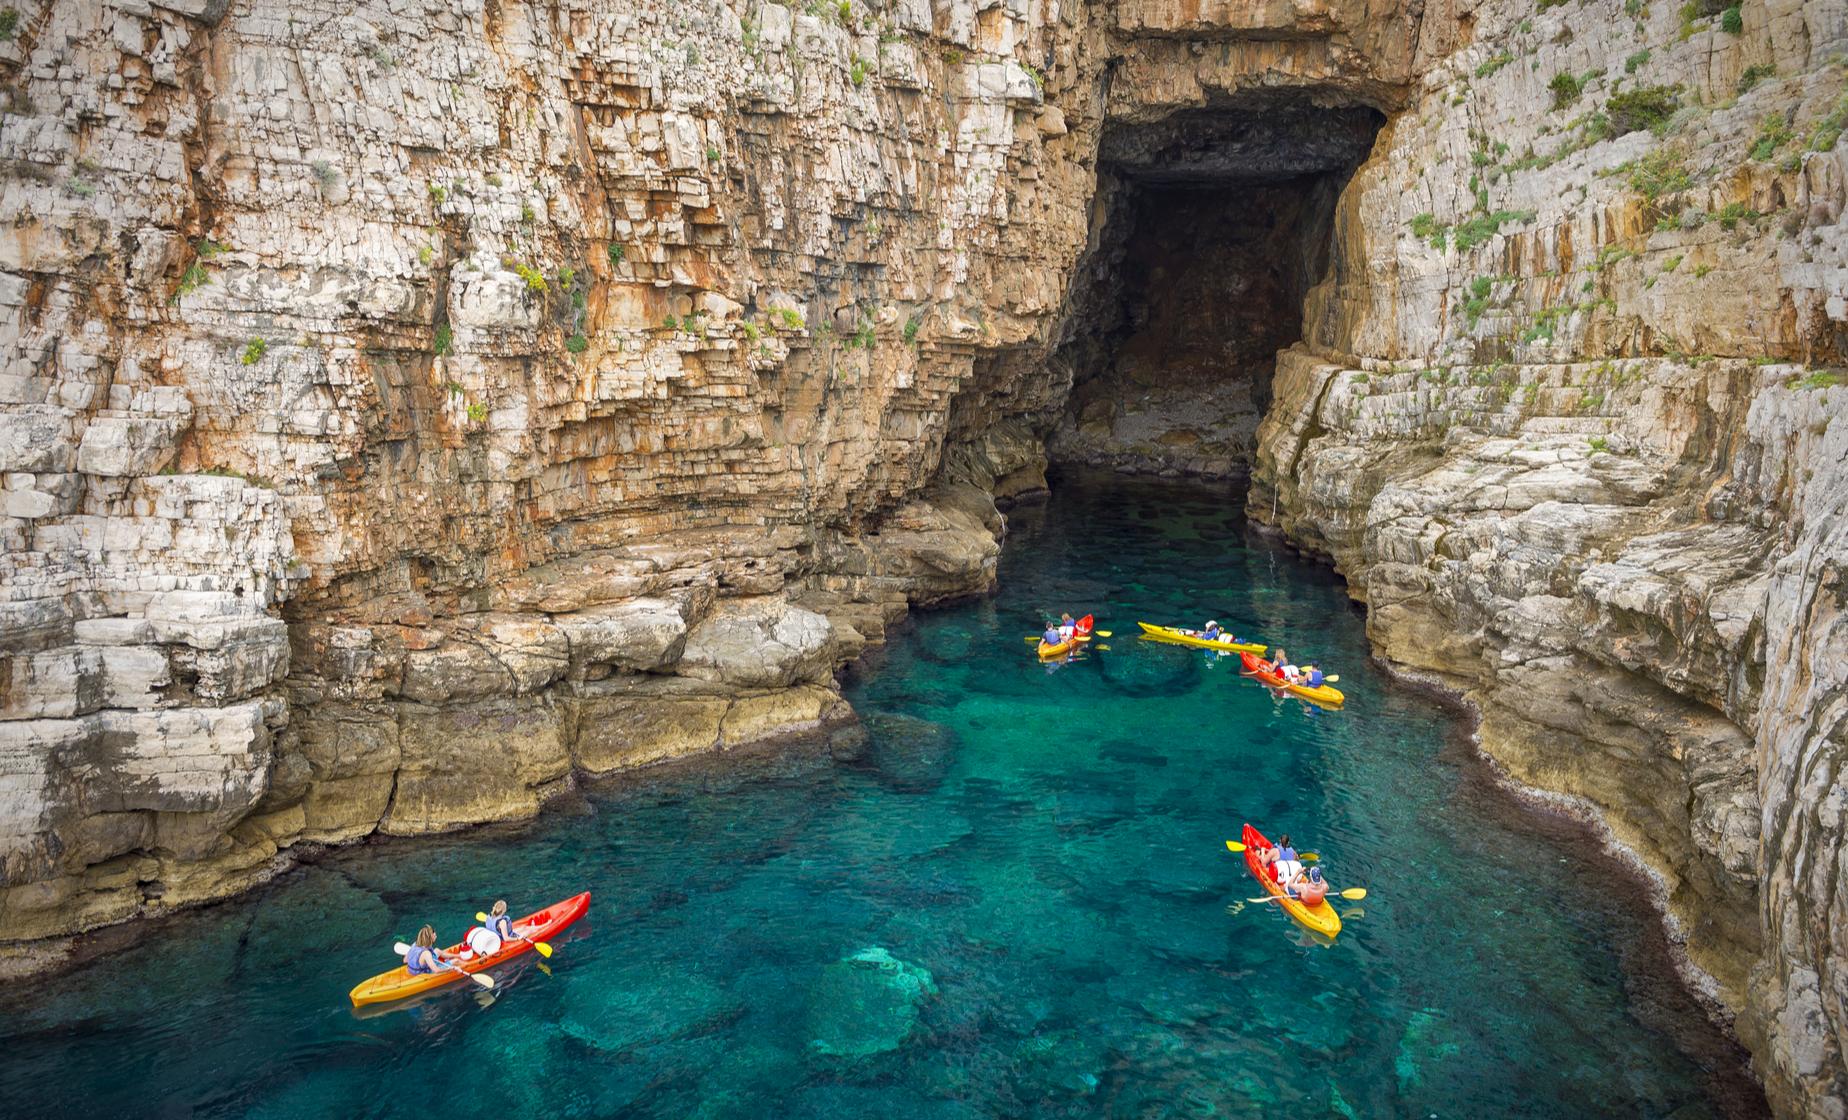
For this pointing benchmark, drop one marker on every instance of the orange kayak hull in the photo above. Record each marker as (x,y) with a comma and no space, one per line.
(401,983)
(1081,634)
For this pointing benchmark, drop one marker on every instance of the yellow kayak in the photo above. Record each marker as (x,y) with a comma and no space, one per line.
(1266,672)
(1170,634)
(1321,917)
(1081,635)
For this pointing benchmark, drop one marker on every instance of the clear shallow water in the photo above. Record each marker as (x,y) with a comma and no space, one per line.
(1028,862)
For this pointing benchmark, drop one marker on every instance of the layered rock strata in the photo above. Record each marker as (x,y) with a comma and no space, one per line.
(1569,414)
(408,406)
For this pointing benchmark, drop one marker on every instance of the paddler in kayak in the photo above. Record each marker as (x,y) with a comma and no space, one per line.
(1311,889)
(1312,676)
(1067,627)
(499,922)
(1053,635)
(1288,867)
(424,957)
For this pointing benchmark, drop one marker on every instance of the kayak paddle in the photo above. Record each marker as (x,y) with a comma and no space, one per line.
(481,978)
(544,949)
(1103,633)
(1353,894)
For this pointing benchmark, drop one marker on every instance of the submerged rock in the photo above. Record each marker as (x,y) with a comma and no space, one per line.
(866,1004)
(909,754)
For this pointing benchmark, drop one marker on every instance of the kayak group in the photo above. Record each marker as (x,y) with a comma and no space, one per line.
(1291,879)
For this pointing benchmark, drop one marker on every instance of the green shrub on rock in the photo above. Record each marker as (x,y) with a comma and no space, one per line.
(1645,107)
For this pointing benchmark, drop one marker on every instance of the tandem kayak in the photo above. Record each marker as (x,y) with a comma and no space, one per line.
(401,982)
(1265,671)
(1081,634)
(1321,917)
(1170,634)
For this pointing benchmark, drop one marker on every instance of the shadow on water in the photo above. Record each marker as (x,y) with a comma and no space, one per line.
(1013,900)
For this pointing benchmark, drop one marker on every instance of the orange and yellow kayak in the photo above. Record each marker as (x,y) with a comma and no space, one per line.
(1320,918)
(1081,633)
(400,982)
(1266,672)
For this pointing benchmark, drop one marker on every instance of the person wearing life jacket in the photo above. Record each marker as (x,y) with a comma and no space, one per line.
(499,922)
(1213,633)
(1313,676)
(424,957)
(1052,636)
(1067,627)
(1311,889)
(1288,671)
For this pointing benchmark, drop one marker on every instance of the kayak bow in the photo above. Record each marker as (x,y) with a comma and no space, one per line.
(400,982)
(1182,637)
(1321,918)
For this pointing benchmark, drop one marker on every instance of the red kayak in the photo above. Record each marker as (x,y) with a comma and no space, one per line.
(401,982)
(1267,672)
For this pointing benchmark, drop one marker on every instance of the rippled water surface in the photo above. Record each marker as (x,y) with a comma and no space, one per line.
(1016,902)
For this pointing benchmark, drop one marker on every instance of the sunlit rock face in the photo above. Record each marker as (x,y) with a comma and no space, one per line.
(409,408)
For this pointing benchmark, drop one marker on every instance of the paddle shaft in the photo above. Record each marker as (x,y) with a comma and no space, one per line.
(480,978)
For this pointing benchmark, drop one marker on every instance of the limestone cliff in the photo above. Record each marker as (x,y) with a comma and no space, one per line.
(1569,415)
(410,405)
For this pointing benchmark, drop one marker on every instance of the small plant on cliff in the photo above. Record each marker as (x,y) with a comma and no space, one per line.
(1701,270)
(1635,61)
(1829,129)
(1543,5)
(1773,133)
(478,412)
(9,24)
(858,72)
(194,278)
(1754,74)
(1599,445)
(713,155)
(1493,64)
(791,320)
(1565,88)
(1733,213)
(1732,21)
(526,213)
(1660,173)
(1426,227)
(615,252)
(253,351)
(438,193)
(444,339)
(1648,107)
(577,343)
(844,10)
(535,280)
(670,323)
(1481,227)
(1821,379)
(912,326)
(324,176)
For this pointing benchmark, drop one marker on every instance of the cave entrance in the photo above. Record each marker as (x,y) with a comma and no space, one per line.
(1213,225)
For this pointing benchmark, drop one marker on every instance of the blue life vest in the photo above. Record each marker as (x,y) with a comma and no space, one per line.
(1315,678)
(420,960)
(502,925)
(1052,637)
(1286,853)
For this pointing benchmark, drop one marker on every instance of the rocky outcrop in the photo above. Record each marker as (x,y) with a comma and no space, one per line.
(409,407)
(1568,415)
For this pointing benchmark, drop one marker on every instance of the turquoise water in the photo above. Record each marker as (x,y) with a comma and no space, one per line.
(1016,902)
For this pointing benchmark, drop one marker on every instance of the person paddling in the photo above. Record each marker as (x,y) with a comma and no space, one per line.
(424,957)
(1052,637)
(1313,676)
(1068,626)
(1288,865)
(1311,889)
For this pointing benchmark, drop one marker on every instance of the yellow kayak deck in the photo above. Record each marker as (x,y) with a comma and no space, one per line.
(1182,637)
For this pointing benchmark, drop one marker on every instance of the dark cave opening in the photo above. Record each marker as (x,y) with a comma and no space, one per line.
(1214,224)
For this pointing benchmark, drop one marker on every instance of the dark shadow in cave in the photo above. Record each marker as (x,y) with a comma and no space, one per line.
(1214,224)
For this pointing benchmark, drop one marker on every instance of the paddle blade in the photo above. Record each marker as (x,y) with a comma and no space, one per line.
(1333,678)
(1308,857)
(1103,647)
(1103,633)
(1033,637)
(545,950)
(480,917)
(483,979)
(400,948)
(1234,846)
(1354,893)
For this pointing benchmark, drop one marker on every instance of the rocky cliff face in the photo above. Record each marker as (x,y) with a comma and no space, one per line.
(409,406)
(1569,415)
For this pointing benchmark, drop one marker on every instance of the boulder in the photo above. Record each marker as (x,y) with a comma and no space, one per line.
(759,643)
